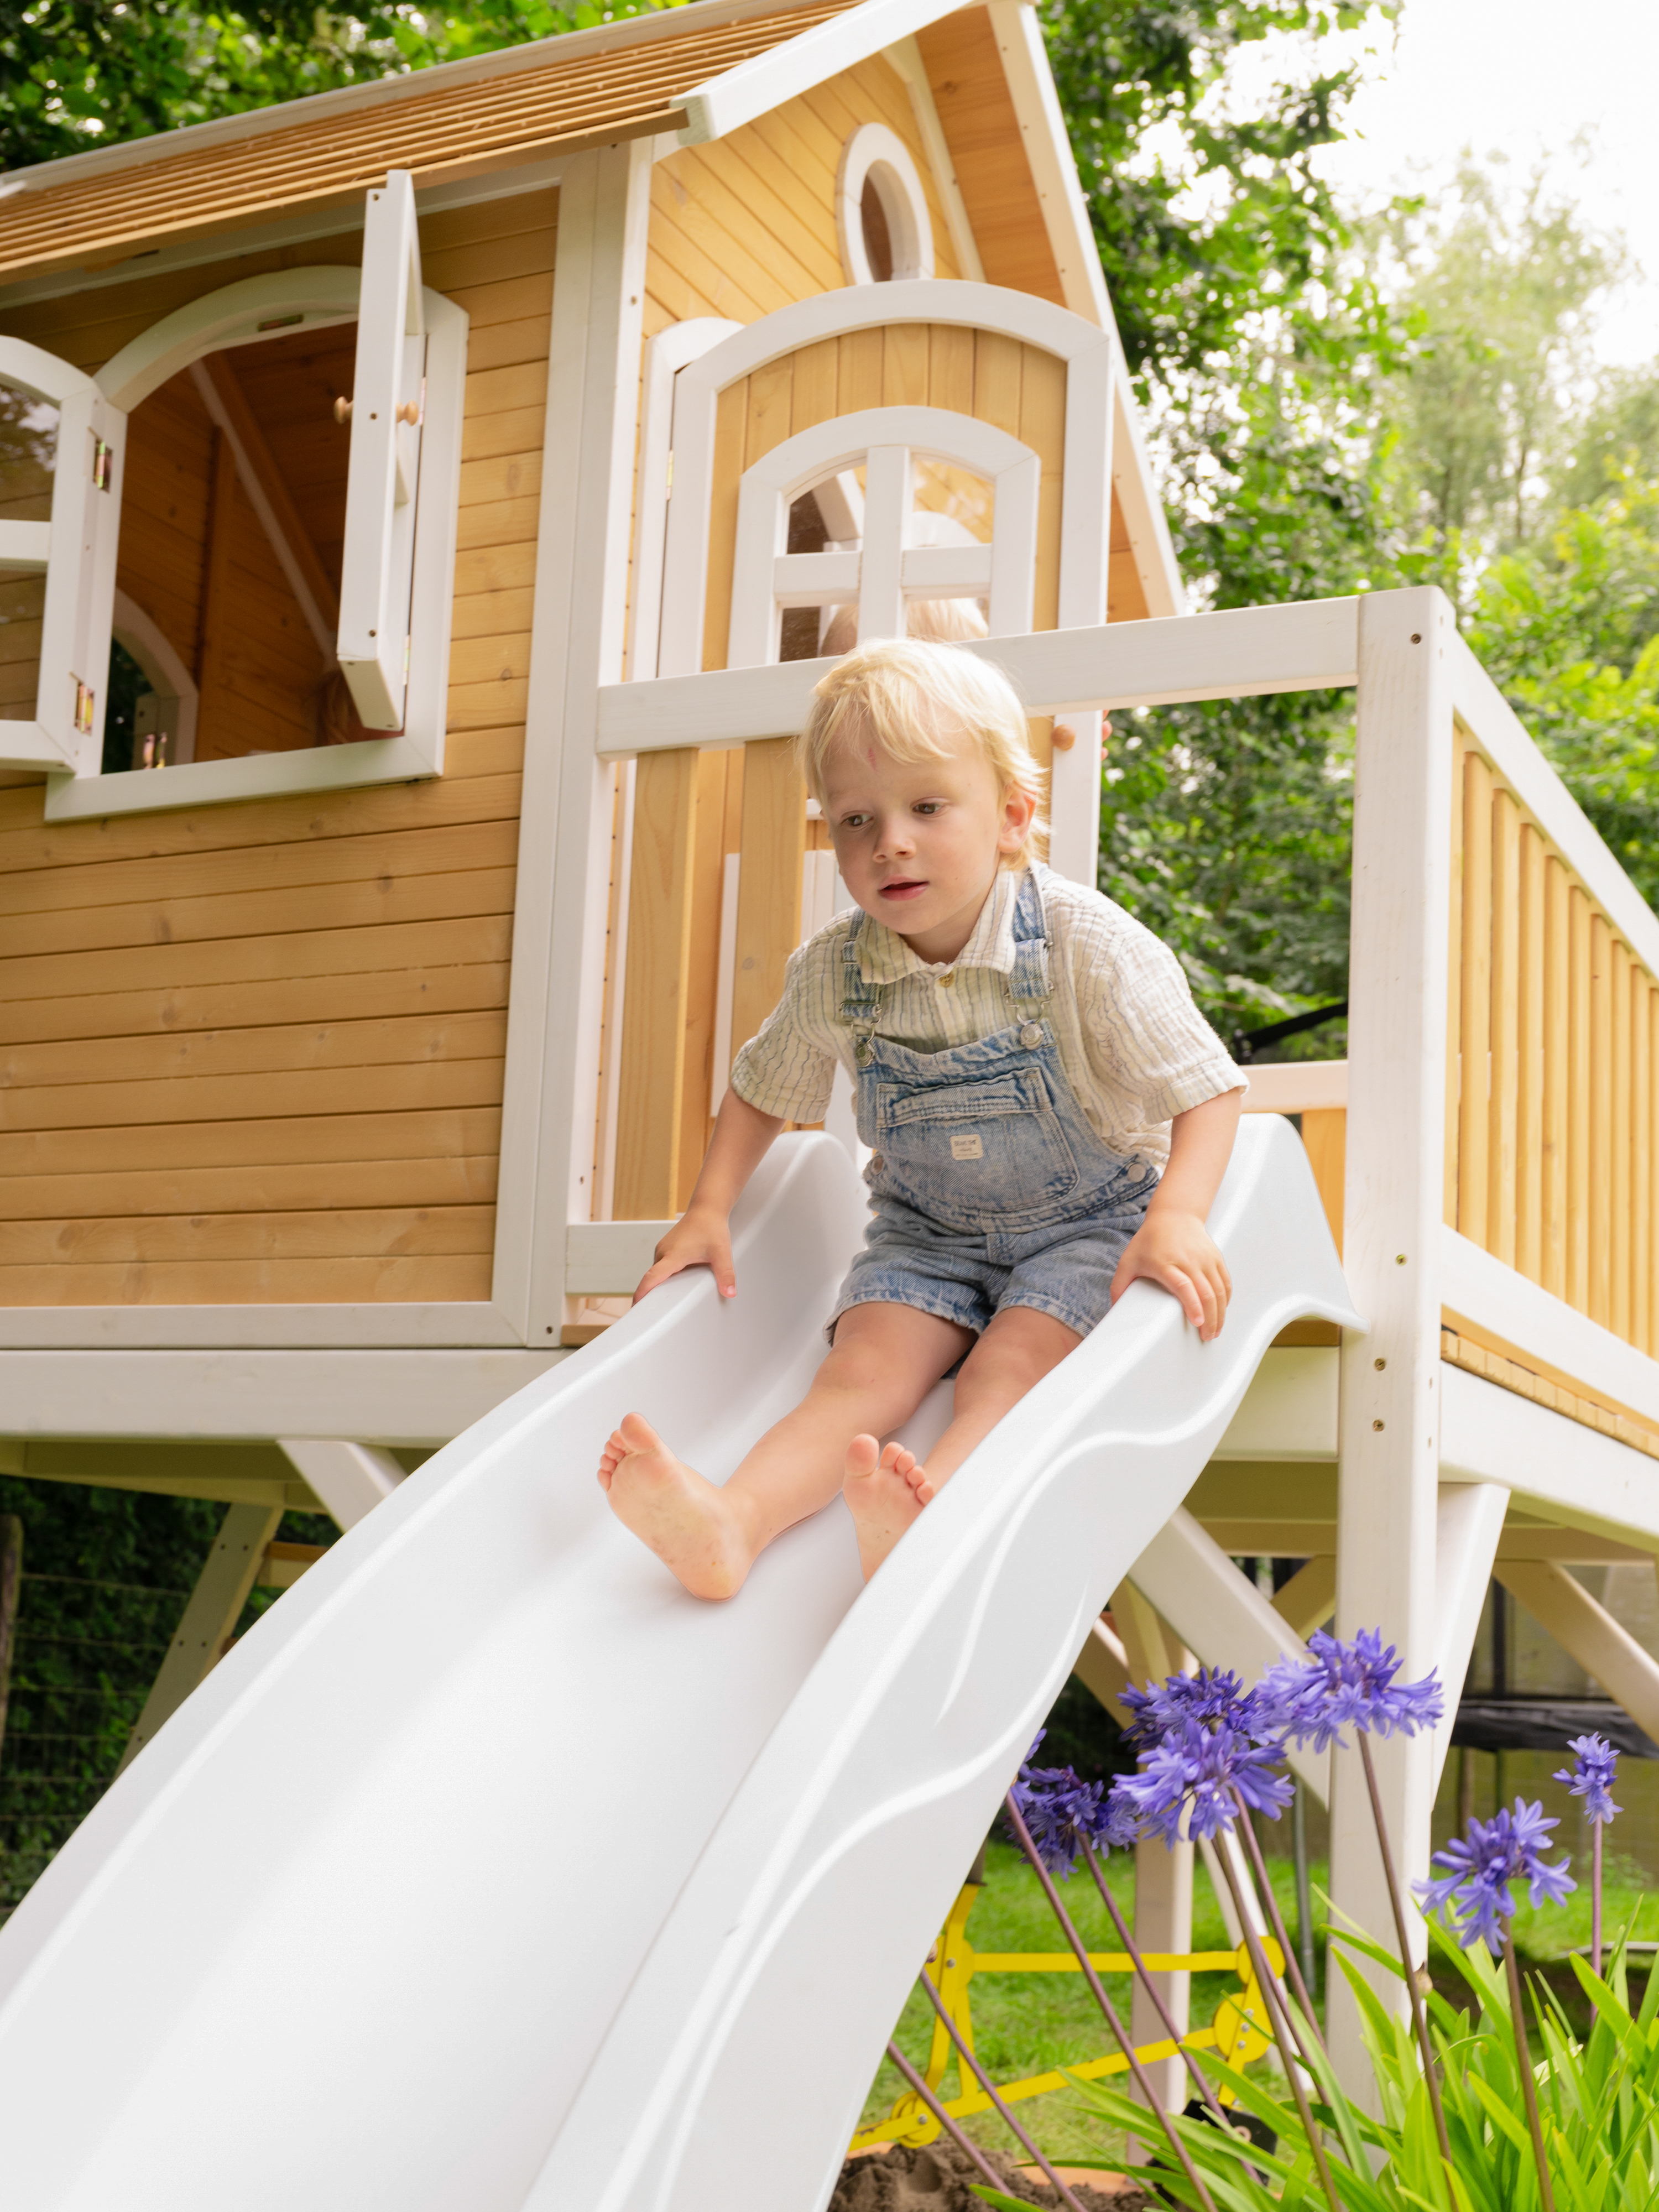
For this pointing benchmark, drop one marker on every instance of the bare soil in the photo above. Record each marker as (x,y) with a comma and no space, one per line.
(937,2178)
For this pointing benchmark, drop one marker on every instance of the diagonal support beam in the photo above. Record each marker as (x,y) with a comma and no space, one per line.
(1589,1634)
(1223,1616)
(1468,1522)
(216,1605)
(350,1479)
(1308,1598)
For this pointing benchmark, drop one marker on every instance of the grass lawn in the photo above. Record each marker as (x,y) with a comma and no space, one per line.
(1026,2024)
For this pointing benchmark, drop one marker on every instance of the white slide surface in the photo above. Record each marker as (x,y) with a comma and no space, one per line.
(490,1871)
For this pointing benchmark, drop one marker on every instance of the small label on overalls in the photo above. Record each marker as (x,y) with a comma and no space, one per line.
(966,1148)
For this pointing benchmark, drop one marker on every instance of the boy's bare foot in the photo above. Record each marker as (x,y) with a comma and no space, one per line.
(885,1489)
(684,1519)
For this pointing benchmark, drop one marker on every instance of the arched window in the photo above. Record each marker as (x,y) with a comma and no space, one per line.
(881,210)
(231,554)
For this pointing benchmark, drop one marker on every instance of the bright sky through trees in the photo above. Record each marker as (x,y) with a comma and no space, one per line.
(1525,77)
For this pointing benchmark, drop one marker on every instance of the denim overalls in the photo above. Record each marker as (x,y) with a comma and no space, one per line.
(988,1185)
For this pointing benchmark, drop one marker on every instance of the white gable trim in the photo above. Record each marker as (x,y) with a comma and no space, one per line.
(754,88)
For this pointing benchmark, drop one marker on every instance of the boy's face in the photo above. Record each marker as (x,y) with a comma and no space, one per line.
(919,845)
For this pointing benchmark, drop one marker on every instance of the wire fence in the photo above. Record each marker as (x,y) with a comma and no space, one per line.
(84,1657)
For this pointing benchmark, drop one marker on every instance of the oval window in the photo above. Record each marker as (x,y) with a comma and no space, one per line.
(886,232)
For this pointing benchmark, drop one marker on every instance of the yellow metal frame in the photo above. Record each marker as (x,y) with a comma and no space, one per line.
(1240,2033)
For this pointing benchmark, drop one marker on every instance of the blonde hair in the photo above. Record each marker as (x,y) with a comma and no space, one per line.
(914,696)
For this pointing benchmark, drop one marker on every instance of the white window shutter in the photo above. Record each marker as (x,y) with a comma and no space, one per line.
(387,404)
(78,552)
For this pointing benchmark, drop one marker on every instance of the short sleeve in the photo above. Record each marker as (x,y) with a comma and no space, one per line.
(787,1069)
(1139,1020)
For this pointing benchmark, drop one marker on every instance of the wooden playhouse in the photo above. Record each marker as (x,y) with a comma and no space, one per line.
(420,509)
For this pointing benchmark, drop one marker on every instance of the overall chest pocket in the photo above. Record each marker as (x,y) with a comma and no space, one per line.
(970,1149)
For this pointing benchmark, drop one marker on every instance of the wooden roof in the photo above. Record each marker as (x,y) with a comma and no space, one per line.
(464,120)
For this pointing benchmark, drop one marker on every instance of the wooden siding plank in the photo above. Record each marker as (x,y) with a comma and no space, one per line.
(308,1141)
(1601,1119)
(376,994)
(1475,1022)
(260,959)
(1532,1078)
(462,1179)
(96,1061)
(652,1087)
(1578,1100)
(1501,1196)
(769,882)
(332,1233)
(424,1281)
(982,129)
(297,1092)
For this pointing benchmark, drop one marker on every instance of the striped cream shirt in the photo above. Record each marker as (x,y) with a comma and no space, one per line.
(1135,1050)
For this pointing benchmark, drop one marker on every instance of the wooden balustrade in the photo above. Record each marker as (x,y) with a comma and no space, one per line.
(1551,1110)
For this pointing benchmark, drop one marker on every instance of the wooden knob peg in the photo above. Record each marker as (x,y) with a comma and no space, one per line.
(343,410)
(1065,737)
(410,412)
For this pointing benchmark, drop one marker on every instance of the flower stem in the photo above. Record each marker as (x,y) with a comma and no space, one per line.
(1523,2057)
(1259,1867)
(1596,1900)
(958,2135)
(990,2088)
(1108,2010)
(1293,2060)
(1419,2013)
(1199,2077)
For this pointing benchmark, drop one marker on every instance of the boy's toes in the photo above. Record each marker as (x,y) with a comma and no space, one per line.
(636,1434)
(863,1456)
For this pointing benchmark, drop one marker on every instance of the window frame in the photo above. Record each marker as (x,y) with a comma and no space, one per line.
(229,316)
(875,154)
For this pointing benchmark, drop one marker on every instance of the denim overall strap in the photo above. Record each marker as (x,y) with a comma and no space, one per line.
(1030,978)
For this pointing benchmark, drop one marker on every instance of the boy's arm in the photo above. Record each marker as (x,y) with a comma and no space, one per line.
(701,1238)
(1172,1247)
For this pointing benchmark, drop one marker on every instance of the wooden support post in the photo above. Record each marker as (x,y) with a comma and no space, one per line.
(11,1590)
(1163,1877)
(1103,1667)
(1529,1060)
(652,1101)
(1601,1119)
(1498,1236)
(1557,1052)
(1390,1422)
(215,1606)
(768,885)
(1619,1241)
(1468,1523)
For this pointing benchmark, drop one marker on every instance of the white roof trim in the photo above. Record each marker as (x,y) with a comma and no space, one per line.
(754,88)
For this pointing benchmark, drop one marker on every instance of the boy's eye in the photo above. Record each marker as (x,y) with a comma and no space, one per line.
(853,821)
(928,807)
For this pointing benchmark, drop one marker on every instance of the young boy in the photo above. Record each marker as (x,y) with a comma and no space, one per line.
(1027,1058)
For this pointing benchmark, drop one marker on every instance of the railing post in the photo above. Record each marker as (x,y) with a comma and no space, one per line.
(1394,1194)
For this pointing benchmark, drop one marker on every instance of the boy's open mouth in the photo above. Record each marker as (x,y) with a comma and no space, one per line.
(905,887)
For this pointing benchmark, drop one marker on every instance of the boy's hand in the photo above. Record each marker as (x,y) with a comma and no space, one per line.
(701,1238)
(1176,1251)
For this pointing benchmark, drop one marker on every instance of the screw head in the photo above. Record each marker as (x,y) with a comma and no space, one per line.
(1379,1364)
(1377,1425)
(1399,1259)
(1417,637)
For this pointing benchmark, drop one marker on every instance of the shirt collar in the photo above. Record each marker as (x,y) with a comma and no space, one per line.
(884,958)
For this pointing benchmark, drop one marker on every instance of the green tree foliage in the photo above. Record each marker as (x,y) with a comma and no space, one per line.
(1497,287)
(82,73)
(1261,346)
(1568,627)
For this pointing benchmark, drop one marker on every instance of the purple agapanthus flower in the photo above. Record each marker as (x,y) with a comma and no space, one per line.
(1062,1812)
(1482,1865)
(1210,1697)
(1342,1686)
(1206,1765)
(1591,1775)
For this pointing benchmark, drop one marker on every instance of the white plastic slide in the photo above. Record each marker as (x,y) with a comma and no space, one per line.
(491,1871)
